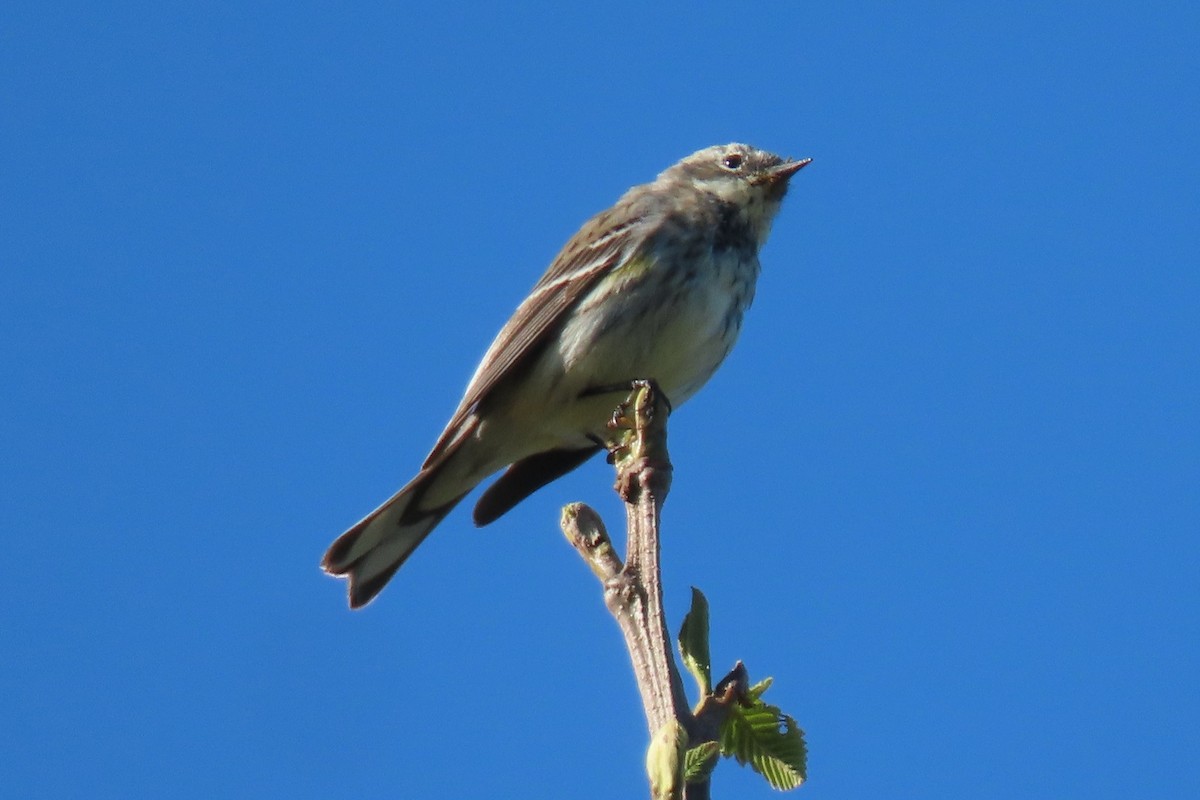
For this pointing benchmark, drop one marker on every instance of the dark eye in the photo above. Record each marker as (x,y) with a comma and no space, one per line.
(733,161)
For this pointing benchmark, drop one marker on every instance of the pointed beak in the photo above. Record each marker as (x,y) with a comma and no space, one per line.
(778,175)
(788,169)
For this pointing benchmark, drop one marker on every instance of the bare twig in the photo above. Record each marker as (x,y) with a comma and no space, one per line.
(633,594)
(633,591)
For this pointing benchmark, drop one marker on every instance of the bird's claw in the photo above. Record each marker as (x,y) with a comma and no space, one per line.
(632,417)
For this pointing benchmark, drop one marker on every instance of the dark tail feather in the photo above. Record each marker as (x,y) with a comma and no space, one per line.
(524,478)
(370,553)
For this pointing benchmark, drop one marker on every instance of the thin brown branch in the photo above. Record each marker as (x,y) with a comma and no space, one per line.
(633,590)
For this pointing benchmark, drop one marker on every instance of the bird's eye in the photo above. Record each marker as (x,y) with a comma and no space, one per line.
(733,161)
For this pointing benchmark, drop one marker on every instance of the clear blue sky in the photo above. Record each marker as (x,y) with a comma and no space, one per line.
(945,490)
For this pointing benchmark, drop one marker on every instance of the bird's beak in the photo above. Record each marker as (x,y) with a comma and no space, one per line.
(778,175)
(788,169)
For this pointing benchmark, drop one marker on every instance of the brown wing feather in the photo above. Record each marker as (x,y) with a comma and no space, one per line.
(589,255)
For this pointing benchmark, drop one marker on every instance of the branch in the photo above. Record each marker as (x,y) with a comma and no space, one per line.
(633,591)
(731,718)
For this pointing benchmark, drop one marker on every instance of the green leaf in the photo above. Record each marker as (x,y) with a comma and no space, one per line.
(759,689)
(699,762)
(693,642)
(768,740)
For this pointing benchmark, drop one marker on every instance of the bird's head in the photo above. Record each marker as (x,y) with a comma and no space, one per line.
(737,173)
(753,181)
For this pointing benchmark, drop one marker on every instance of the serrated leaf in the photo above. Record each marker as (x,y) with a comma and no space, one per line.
(693,642)
(759,689)
(699,762)
(769,741)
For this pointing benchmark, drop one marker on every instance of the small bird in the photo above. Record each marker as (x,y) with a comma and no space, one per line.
(654,288)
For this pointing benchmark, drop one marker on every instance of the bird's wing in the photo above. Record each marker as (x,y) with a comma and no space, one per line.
(592,253)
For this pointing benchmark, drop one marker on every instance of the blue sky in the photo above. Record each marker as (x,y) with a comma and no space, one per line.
(944,490)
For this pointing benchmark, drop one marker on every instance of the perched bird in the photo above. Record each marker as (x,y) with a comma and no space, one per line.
(653,288)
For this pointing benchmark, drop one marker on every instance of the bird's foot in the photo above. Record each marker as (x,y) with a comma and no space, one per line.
(634,429)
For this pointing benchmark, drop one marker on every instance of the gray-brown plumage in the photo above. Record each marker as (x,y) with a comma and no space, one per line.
(653,288)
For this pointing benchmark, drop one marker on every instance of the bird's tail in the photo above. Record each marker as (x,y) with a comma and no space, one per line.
(370,553)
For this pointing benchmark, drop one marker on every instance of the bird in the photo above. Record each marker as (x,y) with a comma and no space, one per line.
(654,288)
